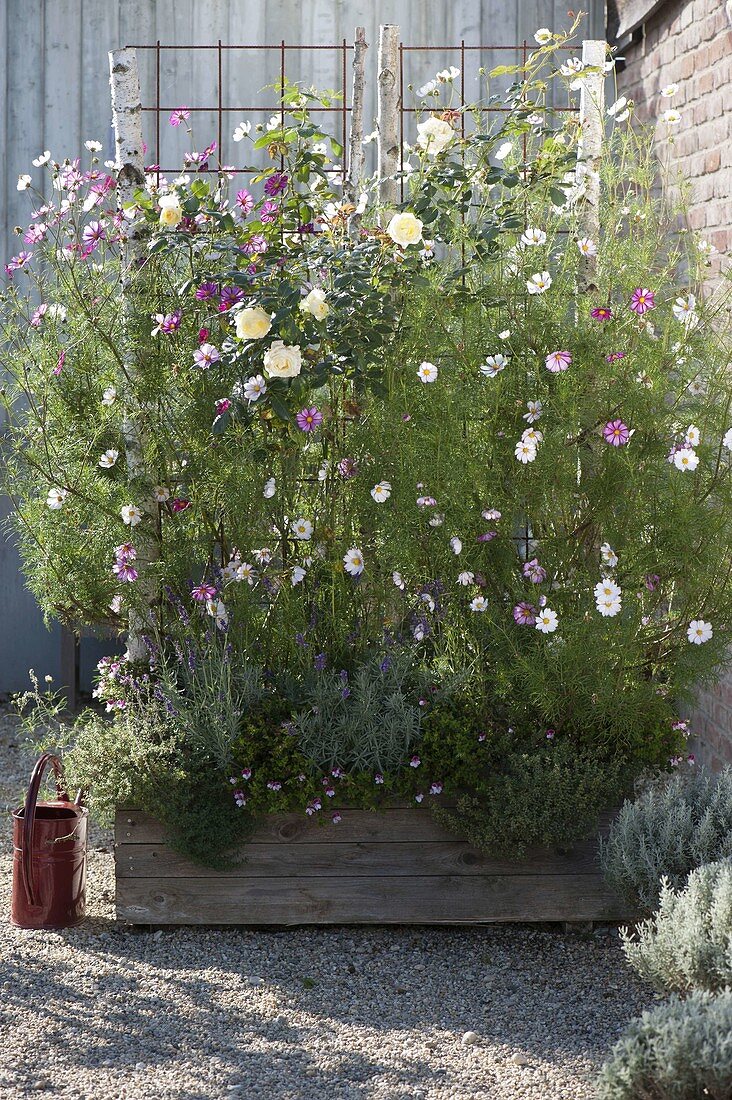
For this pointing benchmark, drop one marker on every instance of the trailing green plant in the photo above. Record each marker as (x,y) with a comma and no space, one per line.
(675,825)
(678,1051)
(687,943)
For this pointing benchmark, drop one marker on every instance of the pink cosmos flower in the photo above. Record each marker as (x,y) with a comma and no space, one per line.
(230,295)
(167,323)
(246,773)
(557,361)
(125,552)
(275,184)
(601,313)
(534,572)
(92,234)
(616,433)
(642,300)
(203,592)
(180,114)
(487,536)
(38,315)
(268,212)
(244,202)
(415,762)
(614,356)
(124,571)
(651,581)
(203,335)
(309,419)
(180,504)
(205,356)
(524,614)
(255,245)
(15,263)
(223,406)
(337,818)
(35,233)
(206,291)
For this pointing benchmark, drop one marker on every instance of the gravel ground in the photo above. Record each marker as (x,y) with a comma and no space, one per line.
(103,1012)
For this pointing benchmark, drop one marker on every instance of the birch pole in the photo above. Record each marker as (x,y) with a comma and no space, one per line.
(130,173)
(355,145)
(589,151)
(387,119)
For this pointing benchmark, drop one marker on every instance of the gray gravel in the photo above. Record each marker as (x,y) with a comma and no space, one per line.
(103,1012)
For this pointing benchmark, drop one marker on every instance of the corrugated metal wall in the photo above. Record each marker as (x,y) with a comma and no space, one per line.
(54,94)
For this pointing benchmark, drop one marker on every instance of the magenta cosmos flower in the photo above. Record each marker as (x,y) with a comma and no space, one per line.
(275,184)
(616,433)
(601,313)
(180,114)
(244,202)
(524,614)
(642,300)
(534,572)
(557,361)
(614,356)
(203,592)
(309,419)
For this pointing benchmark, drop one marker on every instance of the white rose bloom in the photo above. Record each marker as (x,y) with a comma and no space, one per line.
(252,323)
(131,514)
(108,459)
(283,360)
(56,498)
(302,529)
(171,211)
(434,135)
(404,229)
(315,304)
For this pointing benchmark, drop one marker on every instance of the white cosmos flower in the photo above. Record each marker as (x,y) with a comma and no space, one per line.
(607,589)
(543,36)
(532,435)
(448,75)
(686,459)
(44,158)
(381,491)
(254,388)
(270,488)
(503,150)
(587,247)
(323,471)
(262,556)
(298,575)
(617,107)
(505,334)
(131,514)
(437,520)
(427,372)
(456,545)
(671,117)
(108,459)
(571,67)
(161,494)
(302,529)
(479,603)
(398,580)
(535,409)
(24,182)
(493,365)
(684,309)
(525,451)
(56,498)
(693,436)
(699,631)
(230,569)
(533,236)
(727,441)
(242,131)
(466,578)
(425,90)
(669,91)
(353,562)
(608,555)
(547,621)
(109,396)
(245,571)
(609,606)
(706,248)
(539,282)
(93,146)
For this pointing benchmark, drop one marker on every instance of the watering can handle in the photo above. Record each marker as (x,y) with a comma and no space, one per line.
(29,815)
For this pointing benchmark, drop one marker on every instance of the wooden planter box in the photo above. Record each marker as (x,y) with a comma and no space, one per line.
(393,867)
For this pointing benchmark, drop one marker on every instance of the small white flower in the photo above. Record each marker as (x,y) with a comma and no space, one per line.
(505,334)
(479,603)
(448,75)
(108,459)
(109,396)
(456,545)
(270,488)
(607,589)
(543,36)
(532,236)
(56,498)
(525,451)
(93,146)
(547,621)
(699,631)
(242,131)
(254,388)
(727,441)
(437,519)
(298,575)
(323,471)
(535,409)
(706,248)
(381,491)
(427,372)
(532,435)
(684,310)
(353,562)
(466,578)
(609,606)
(44,158)
(587,247)
(274,123)
(539,282)
(671,117)
(686,459)
(161,494)
(693,436)
(398,580)
(608,555)
(617,107)
(493,365)
(131,514)
(571,67)
(425,90)
(302,529)
(669,91)
(24,182)
(503,150)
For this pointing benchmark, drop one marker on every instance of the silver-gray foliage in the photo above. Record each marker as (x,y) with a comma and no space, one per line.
(675,825)
(687,943)
(681,1050)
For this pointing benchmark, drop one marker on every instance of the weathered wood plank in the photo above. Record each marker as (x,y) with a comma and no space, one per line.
(353,859)
(448,899)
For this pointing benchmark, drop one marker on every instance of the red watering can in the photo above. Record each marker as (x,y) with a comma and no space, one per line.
(49,856)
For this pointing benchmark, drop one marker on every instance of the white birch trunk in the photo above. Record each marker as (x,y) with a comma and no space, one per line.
(355,152)
(589,151)
(387,123)
(130,172)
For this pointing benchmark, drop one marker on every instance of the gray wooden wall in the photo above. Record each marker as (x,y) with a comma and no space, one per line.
(54,95)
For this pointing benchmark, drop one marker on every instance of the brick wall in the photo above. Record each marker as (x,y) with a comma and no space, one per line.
(689,43)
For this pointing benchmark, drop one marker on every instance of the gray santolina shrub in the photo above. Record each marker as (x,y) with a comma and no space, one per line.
(681,1050)
(687,943)
(673,827)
